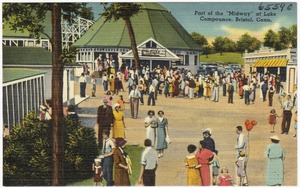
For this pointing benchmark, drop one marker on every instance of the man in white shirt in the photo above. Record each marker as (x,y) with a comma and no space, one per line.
(287,107)
(151,94)
(241,145)
(149,163)
(246,89)
(134,97)
(82,81)
(107,155)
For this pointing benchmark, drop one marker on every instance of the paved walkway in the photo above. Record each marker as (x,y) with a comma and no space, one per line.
(187,118)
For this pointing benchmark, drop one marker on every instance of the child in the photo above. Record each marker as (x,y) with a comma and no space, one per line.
(225,178)
(93,82)
(42,112)
(272,119)
(191,163)
(295,123)
(241,164)
(97,172)
(215,168)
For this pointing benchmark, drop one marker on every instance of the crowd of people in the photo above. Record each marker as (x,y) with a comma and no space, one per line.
(111,120)
(202,164)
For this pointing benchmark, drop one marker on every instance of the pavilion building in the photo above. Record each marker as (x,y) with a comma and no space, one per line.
(160,39)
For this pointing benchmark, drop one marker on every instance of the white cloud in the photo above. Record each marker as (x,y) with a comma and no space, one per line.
(235,33)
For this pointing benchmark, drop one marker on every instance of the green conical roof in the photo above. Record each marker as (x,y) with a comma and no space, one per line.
(153,21)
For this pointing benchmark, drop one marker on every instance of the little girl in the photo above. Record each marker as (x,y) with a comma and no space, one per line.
(225,178)
(272,119)
(191,163)
(97,172)
(241,164)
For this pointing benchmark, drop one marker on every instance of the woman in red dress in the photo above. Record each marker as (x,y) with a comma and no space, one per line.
(204,157)
(241,88)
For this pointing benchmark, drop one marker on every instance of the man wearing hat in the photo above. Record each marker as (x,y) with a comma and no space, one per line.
(104,119)
(276,155)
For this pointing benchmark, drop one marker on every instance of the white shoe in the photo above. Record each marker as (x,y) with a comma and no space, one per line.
(159,156)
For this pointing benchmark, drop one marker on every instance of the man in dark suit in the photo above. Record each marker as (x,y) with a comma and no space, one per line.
(104,120)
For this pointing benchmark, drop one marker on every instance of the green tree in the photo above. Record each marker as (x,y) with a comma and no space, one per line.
(124,11)
(246,42)
(27,152)
(219,44)
(229,45)
(284,36)
(271,40)
(207,49)
(293,30)
(200,39)
(30,16)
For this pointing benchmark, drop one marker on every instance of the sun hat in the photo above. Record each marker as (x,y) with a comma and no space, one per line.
(274,137)
(120,142)
(208,131)
(116,105)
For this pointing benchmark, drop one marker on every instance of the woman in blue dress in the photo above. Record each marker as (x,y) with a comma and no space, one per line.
(275,155)
(162,132)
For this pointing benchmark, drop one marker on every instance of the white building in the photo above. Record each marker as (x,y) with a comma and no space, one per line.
(282,63)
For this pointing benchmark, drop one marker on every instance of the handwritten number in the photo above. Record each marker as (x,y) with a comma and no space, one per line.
(289,7)
(268,6)
(274,6)
(282,5)
(261,7)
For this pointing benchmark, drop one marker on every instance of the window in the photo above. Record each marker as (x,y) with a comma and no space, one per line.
(186,61)
(196,60)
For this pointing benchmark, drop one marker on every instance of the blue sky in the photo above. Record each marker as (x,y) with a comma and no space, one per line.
(255,20)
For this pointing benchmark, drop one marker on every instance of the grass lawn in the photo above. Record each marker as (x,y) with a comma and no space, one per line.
(135,153)
(226,57)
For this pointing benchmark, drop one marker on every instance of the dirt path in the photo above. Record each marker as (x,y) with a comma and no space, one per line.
(188,118)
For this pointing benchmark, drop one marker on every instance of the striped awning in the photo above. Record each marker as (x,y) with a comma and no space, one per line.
(270,63)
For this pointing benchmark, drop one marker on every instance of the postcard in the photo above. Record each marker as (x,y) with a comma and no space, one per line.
(166,93)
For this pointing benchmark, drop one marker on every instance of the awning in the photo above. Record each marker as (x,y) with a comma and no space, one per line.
(270,63)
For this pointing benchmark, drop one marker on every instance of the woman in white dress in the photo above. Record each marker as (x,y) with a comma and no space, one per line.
(150,125)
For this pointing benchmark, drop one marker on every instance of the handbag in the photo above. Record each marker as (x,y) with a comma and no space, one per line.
(168,139)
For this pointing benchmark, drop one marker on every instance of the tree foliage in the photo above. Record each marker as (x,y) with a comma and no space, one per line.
(207,49)
(124,11)
(200,39)
(229,45)
(247,43)
(271,39)
(219,44)
(31,16)
(27,152)
(293,38)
